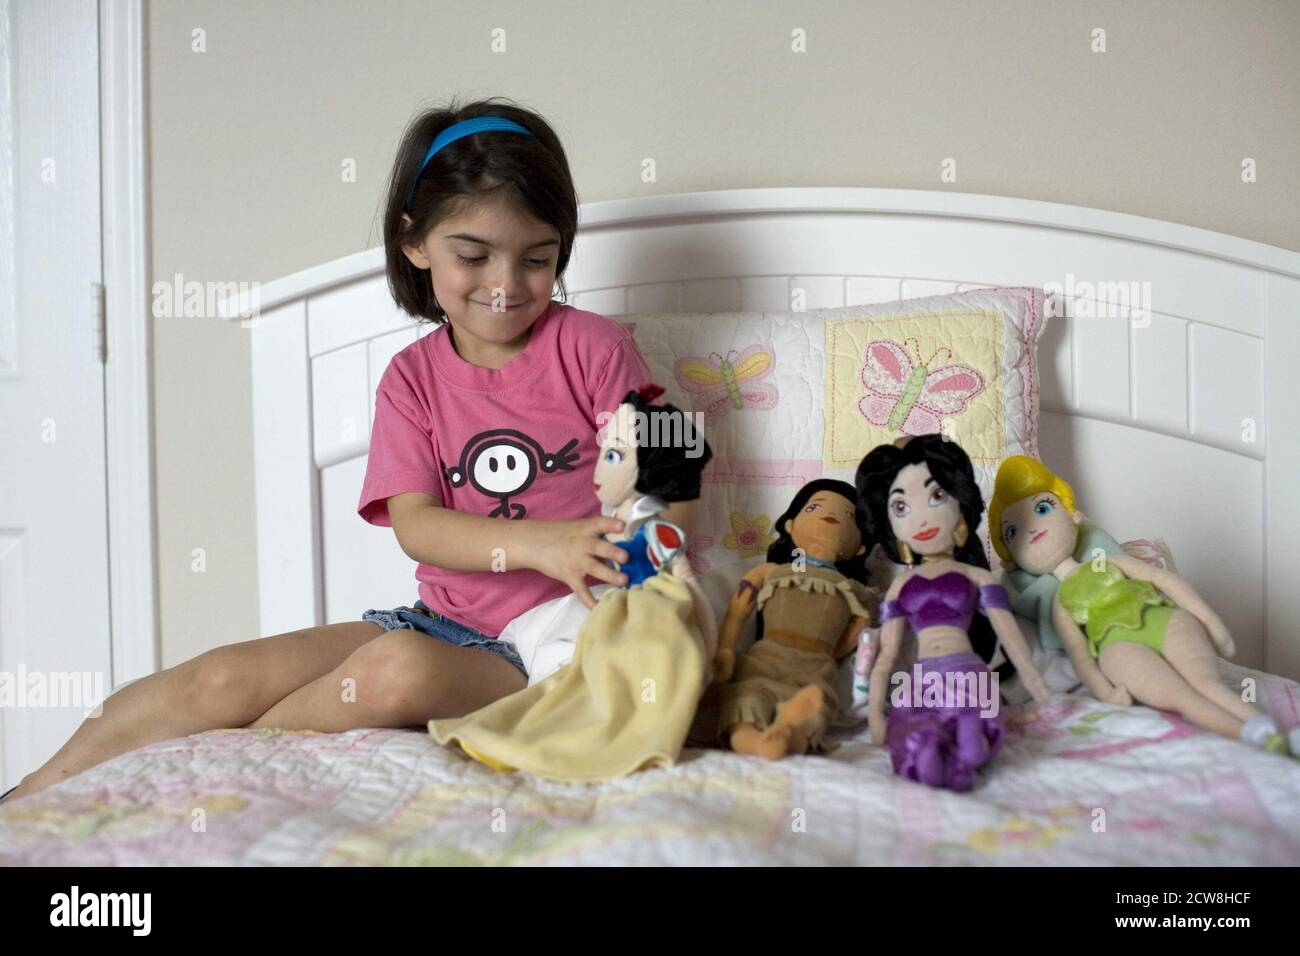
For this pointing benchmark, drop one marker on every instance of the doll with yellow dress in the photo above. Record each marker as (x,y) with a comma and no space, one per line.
(1132,631)
(642,655)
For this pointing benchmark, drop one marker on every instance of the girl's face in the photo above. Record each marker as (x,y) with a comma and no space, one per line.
(615,477)
(1039,532)
(825,525)
(921,513)
(493,273)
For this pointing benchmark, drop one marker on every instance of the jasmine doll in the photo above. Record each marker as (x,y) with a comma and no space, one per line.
(923,506)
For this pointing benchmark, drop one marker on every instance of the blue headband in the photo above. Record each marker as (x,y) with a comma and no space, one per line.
(479,124)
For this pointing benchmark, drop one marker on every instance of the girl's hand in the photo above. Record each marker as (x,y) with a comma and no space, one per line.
(569,551)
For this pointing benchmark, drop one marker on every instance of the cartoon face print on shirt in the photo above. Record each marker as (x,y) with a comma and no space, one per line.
(503,463)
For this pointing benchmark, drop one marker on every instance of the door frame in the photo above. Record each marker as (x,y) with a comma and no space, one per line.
(128,378)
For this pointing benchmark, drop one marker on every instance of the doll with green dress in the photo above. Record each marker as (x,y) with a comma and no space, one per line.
(1132,631)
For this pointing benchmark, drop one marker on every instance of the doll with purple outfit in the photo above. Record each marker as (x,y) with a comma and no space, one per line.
(923,505)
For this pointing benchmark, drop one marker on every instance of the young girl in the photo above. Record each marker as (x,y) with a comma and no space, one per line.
(481,460)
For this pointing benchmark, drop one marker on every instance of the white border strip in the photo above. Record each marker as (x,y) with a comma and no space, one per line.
(128,400)
(8,240)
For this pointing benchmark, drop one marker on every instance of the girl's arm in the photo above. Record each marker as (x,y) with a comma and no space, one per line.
(567,550)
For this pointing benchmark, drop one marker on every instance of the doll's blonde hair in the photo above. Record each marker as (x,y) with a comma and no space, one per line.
(1018,478)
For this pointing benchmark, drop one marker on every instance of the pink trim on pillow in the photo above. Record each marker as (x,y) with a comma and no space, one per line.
(1030,328)
(763,471)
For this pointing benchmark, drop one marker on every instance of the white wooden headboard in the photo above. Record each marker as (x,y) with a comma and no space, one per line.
(1183,423)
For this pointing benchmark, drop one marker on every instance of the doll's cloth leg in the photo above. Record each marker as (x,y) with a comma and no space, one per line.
(758,684)
(1189,649)
(771,673)
(1154,682)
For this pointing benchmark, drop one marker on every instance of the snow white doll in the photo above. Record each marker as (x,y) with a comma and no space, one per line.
(642,655)
(923,506)
(1132,631)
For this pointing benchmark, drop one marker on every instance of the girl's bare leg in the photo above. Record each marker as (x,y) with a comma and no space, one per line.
(1153,681)
(402,678)
(1189,650)
(224,687)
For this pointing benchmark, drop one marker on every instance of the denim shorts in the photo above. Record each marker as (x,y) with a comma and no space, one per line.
(421,618)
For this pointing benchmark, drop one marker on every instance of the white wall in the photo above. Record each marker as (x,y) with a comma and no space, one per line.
(248,140)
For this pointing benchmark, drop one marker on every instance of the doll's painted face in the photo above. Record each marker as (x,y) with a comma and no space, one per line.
(825,529)
(1040,532)
(921,512)
(615,478)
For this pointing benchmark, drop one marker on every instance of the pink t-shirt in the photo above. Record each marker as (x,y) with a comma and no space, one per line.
(509,443)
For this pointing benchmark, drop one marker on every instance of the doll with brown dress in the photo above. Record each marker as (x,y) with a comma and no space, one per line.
(780,697)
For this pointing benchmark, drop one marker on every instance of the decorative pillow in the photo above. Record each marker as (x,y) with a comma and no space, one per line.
(1156,553)
(787,397)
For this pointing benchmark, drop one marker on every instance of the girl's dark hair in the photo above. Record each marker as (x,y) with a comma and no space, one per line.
(666,471)
(532,173)
(782,549)
(952,469)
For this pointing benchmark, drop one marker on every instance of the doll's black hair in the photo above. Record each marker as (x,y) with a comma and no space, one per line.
(665,470)
(531,172)
(951,467)
(782,549)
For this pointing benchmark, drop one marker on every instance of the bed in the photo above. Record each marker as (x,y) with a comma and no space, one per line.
(1194,401)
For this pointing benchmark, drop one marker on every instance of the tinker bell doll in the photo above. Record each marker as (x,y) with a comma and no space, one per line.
(812,606)
(923,506)
(1131,631)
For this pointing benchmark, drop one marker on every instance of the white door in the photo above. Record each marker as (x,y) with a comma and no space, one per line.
(55,652)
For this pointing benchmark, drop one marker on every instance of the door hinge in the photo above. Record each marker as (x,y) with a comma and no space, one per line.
(98,313)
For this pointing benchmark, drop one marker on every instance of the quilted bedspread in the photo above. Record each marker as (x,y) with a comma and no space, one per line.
(1079,782)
